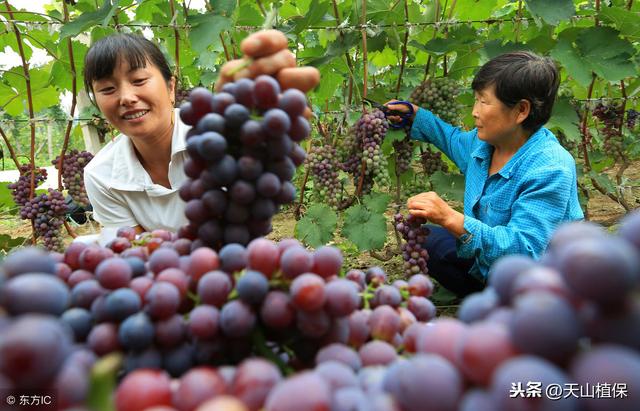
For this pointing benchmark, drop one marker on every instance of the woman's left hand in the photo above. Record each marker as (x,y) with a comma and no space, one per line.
(269,54)
(434,209)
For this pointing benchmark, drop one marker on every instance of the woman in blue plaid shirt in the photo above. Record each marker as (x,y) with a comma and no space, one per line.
(520,182)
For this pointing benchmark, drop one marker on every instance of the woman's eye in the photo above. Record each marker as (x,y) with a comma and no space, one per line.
(139,81)
(106,90)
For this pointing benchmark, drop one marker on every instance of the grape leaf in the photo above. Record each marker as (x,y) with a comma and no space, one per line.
(604,181)
(552,11)
(206,30)
(6,199)
(376,202)
(317,226)
(572,62)
(450,186)
(565,118)
(474,9)
(606,53)
(86,20)
(626,21)
(7,243)
(317,10)
(366,229)
(223,7)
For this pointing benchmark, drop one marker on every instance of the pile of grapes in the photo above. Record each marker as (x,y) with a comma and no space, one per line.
(243,151)
(324,166)
(73,175)
(274,326)
(202,317)
(439,95)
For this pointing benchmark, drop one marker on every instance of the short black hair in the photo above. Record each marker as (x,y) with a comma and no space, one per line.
(102,57)
(522,75)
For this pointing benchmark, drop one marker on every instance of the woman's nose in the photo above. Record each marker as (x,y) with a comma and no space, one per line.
(127,96)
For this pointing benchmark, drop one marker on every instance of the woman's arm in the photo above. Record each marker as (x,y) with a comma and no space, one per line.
(537,212)
(426,126)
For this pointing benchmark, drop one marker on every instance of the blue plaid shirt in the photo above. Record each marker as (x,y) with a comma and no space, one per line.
(516,210)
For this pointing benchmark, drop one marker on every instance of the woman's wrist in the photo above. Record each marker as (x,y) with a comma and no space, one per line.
(455,224)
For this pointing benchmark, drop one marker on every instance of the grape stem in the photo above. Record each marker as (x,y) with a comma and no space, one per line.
(260,344)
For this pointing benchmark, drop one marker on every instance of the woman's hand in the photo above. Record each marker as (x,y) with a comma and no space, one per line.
(402,108)
(269,54)
(433,208)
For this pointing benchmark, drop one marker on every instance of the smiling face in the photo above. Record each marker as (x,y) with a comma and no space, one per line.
(138,102)
(496,122)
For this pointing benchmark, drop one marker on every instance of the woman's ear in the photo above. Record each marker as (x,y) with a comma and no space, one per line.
(172,86)
(523,109)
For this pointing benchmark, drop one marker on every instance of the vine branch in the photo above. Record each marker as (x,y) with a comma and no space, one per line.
(404,48)
(176,33)
(25,70)
(67,132)
(10,148)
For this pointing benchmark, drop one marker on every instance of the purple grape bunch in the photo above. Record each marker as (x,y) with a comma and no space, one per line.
(324,165)
(47,211)
(73,174)
(440,96)
(432,161)
(414,234)
(404,154)
(611,116)
(244,149)
(21,189)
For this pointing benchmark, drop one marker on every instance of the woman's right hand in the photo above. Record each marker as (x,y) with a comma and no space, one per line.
(266,52)
(402,108)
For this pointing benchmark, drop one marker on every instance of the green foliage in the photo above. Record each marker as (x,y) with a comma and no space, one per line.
(365,224)
(318,225)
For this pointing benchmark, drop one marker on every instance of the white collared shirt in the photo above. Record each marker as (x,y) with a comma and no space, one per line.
(122,193)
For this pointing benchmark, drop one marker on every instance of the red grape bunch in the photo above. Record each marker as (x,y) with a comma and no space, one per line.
(611,116)
(364,144)
(439,95)
(73,174)
(404,154)
(414,234)
(371,129)
(243,150)
(324,166)
(21,189)
(632,118)
(432,161)
(47,211)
